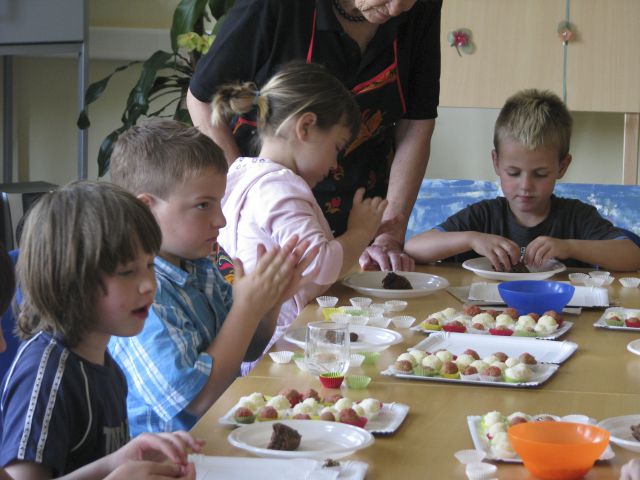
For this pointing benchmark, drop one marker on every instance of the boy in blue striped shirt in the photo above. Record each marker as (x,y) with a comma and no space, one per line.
(199,329)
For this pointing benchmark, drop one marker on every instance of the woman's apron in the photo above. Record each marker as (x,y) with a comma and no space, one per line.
(368,158)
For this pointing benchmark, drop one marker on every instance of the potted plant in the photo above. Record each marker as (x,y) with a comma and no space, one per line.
(164,77)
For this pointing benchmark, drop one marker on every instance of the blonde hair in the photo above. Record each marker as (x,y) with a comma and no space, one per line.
(71,238)
(534,119)
(296,89)
(161,154)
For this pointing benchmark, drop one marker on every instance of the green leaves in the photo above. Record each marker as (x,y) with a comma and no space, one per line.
(164,77)
(187,13)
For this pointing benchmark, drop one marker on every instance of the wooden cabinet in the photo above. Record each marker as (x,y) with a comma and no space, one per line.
(517,46)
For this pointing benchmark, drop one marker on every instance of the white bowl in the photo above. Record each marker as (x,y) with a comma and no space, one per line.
(403,321)
(379,321)
(358,319)
(480,471)
(630,282)
(356,360)
(578,278)
(327,302)
(595,281)
(376,309)
(360,302)
(301,363)
(396,305)
(283,356)
(340,317)
(469,456)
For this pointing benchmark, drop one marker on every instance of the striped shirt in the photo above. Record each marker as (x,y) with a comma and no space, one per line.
(166,364)
(60,410)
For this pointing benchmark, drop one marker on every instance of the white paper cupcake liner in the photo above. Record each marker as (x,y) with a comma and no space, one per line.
(283,356)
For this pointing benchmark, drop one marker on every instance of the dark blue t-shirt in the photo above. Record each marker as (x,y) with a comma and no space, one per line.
(60,410)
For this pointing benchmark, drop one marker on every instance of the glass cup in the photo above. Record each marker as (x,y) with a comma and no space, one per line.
(327,348)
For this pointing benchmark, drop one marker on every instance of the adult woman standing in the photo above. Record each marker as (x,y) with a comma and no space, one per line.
(386,52)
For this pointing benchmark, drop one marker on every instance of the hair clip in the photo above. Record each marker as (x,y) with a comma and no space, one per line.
(461,40)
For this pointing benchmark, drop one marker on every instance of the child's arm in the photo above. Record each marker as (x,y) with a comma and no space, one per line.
(254,295)
(620,255)
(144,457)
(28,471)
(436,245)
(364,220)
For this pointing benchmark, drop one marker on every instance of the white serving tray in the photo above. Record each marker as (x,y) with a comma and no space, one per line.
(481,443)
(564,328)
(543,373)
(601,323)
(582,297)
(386,422)
(545,351)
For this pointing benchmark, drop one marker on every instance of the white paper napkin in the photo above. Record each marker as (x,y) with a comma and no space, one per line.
(242,468)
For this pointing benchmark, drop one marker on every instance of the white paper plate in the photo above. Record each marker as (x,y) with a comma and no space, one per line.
(370,283)
(545,351)
(564,328)
(601,323)
(320,439)
(634,347)
(582,296)
(481,443)
(387,421)
(241,468)
(620,429)
(482,267)
(370,339)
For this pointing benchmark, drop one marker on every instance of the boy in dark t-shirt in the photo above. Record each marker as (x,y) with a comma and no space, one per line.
(531,139)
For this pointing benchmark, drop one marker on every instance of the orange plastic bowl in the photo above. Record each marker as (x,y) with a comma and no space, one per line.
(558,450)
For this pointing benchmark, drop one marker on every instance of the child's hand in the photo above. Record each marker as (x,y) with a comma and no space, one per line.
(543,249)
(297,279)
(366,214)
(158,447)
(152,470)
(263,288)
(630,470)
(501,252)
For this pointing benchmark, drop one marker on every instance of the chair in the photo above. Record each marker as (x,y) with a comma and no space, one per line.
(8,323)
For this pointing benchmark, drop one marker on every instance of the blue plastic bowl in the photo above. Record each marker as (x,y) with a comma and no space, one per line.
(535,296)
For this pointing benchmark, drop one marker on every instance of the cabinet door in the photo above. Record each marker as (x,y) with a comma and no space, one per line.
(603,63)
(517,47)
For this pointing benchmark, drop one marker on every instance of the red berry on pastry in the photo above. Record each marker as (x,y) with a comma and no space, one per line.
(473,353)
(243,415)
(267,413)
(472,310)
(292,395)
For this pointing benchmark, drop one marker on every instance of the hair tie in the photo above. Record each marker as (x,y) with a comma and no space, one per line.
(255,100)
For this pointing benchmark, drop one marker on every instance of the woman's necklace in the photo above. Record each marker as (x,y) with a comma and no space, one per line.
(343,13)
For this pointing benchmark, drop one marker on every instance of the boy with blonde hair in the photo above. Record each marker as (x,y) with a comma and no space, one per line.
(198,332)
(531,139)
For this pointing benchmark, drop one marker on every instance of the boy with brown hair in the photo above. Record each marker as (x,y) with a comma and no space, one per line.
(531,139)
(198,332)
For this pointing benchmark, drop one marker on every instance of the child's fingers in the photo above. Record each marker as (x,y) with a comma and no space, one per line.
(194,444)
(307,259)
(358,196)
(239,268)
(290,245)
(150,445)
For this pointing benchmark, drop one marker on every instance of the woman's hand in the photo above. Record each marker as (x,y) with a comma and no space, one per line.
(386,253)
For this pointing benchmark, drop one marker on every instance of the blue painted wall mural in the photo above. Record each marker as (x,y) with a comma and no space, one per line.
(438,199)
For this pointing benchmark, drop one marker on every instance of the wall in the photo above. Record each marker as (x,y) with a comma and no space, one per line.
(45,113)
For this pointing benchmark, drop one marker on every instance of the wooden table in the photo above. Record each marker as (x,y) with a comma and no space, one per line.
(600,380)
